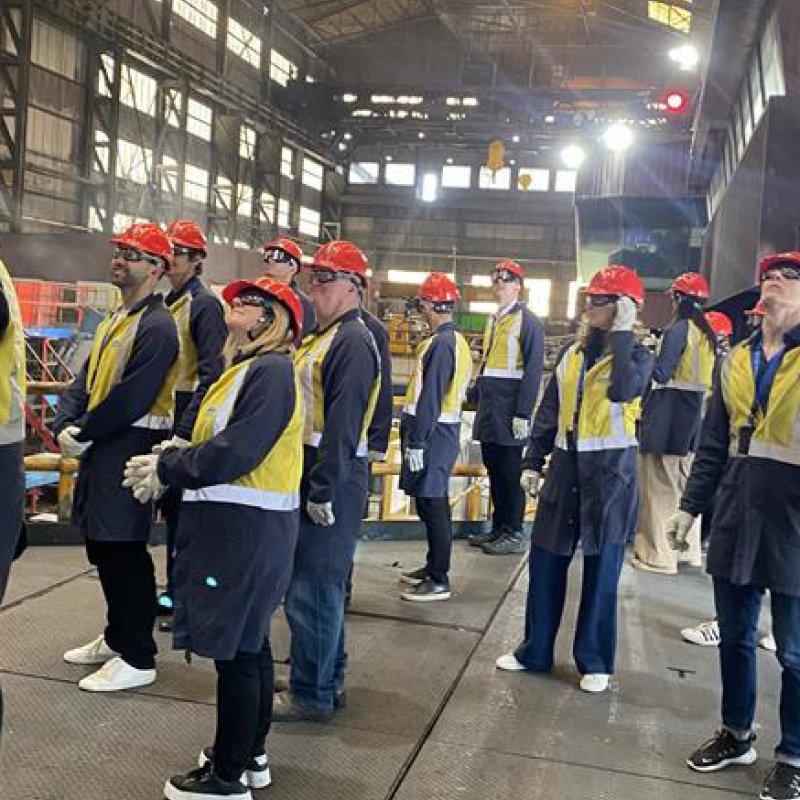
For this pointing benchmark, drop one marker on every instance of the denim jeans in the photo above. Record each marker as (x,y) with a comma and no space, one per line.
(315,612)
(595,642)
(738,608)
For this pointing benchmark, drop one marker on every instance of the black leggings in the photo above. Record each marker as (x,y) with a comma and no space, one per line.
(435,513)
(244,710)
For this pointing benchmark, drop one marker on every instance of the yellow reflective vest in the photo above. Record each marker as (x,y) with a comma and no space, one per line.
(502,355)
(12,368)
(601,424)
(275,483)
(186,367)
(696,364)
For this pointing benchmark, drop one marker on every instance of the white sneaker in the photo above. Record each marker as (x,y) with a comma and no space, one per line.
(509,663)
(95,652)
(768,643)
(706,634)
(116,675)
(594,682)
(255,776)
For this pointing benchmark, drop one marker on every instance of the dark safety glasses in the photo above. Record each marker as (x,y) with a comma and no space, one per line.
(249,300)
(280,257)
(129,254)
(183,251)
(321,277)
(503,276)
(598,300)
(788,272)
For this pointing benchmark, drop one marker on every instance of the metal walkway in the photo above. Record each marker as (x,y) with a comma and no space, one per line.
(428,716)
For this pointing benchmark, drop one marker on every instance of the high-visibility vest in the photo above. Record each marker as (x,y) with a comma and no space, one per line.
(274,484)
(186,367)
(776,434)
(502,355)
(308,360)
(111,351)
(602,425)
(696,364)
(12,367)
(454,396)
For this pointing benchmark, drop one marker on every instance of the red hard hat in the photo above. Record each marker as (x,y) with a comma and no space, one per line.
(692,284)
(281,292)
(438,288)
(147,237)
(772,260)
(617,280)
(340,255)
(510,266)
(185,233)
(719,323)
(287,245)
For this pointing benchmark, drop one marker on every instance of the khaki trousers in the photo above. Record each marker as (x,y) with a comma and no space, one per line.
(662,480)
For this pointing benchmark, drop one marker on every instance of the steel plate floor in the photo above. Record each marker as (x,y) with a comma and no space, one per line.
(428,716)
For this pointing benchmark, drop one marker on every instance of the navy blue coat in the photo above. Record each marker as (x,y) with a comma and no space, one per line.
(499,400)
(671,418)
(591,497)
(381,425)
(755,530)
(233,562)
(103,508)
(440,440)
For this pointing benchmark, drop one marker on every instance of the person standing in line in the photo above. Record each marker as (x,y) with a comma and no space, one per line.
(283,259)
(430,432)
(506,389)
(750,451)
(339,367)
(587,421)
(200,321)
(12,430)
(671,416)
(240,477)
(120,405)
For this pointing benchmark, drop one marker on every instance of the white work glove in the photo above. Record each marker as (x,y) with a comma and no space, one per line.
(530,481)
(141,477)
(175,441)
(521,427)
(625,316)
(415,459)
(375,455)
(678,527)
(70,447)
(321,513)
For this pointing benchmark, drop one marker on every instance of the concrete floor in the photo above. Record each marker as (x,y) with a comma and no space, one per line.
(428,716)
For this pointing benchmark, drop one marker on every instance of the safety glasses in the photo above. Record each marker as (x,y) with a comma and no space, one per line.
(599,300)
(503,276)
(280,257)
(134,256)
(788,272)
(321,277)
(249,300)
(183,251)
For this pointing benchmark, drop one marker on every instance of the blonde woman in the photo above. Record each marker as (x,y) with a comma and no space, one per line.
(238,529)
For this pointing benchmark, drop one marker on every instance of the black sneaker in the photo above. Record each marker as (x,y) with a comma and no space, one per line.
(414,577)
(202,784)
(509,543)
(427,592)
(722,750)
(256,774)
(783,783)
(480,539)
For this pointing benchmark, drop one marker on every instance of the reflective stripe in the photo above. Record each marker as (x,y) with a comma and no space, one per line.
(315,438)
(776,452)
(153,423)
(243,496)
(225,409)
(497,372)
(682,385)
(452,417)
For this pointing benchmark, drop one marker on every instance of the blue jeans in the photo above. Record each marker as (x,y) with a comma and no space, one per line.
(315,613)
(596,632)
(738,608)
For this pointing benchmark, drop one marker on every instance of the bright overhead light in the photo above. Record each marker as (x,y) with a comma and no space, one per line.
(618,138)
(420,135)
(342,146)
(348,136)
(549,119)
(450,160)
(430,187)
(685,56)
(573,156)
(388,158)
(349,98)
(515,138)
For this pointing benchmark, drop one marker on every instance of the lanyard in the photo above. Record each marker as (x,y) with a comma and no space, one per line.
(489,344)
(764,371)
(579,394)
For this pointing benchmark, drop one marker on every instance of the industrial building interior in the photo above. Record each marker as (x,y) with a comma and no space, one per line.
(437,135)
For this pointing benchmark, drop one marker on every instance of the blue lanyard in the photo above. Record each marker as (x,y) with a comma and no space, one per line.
(764,374)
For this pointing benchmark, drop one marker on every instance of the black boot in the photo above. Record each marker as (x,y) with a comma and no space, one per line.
(480,539)
(509,543)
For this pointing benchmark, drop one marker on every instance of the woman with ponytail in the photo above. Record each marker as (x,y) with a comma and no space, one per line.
(670,424)
(238,529)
